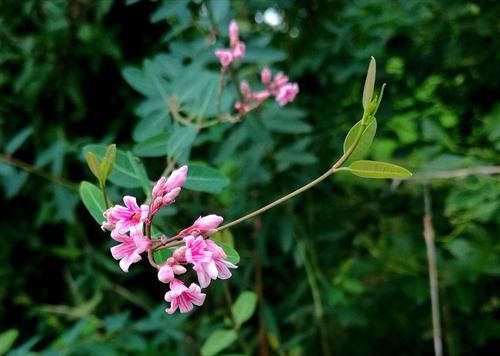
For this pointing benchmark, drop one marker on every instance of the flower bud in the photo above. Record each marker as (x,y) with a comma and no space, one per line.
(265,76)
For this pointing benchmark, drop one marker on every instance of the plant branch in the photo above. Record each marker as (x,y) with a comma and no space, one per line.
(334,169)
(456,173)
(39,172)
(433,279)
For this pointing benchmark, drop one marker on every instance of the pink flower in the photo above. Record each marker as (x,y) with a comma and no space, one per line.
(208,259)
(196,251)
(260,96)
(206,225)
(238,50)
(220,259)
(130,247)
(242,108)
(265,76)
(126,218)
(169,269)
(245,89)
(203,226)
(278,81)
(234,33)
(167,189)
(287,93)
(182,297)
(225,57)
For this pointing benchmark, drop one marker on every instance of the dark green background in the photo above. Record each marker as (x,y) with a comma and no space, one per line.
(345,260)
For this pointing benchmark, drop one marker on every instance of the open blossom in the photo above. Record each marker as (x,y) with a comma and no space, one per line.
(287,93)
(183,297)
(208,259)
(225,57)
(130,248)
(126,218)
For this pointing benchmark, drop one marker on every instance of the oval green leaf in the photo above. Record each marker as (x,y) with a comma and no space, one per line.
(244,307)
(154,146)
(205,179)
(93,200)
(378,170)
(364,142)
(218,341)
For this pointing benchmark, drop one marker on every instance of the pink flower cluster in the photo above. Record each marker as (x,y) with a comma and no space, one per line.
(278,86)
(209,261)
(236,50)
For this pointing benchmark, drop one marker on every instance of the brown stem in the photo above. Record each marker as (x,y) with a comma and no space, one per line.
(433,278)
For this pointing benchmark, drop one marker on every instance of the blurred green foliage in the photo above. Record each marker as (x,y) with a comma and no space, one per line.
(345,261)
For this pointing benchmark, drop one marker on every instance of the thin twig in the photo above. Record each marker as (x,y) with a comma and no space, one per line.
(39,172)
(433,279)
(456,173)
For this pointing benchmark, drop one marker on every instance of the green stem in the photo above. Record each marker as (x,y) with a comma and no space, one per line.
(335,168)
(105,196)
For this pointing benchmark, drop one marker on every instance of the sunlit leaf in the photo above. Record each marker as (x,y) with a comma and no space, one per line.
(378,170)
(364,142)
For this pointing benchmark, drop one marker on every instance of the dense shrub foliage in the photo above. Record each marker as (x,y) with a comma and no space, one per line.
(340,269)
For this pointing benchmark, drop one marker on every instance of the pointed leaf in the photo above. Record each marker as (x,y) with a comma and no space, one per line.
(127,173)
(181,139)
(93,200)
(93,163)
(218,341)
(378,170)
(205,179)
(369,83)
(154,146)
(108,162)
(364,142)
(244,307)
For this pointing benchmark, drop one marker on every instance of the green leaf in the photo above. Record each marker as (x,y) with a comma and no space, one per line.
(94,165)
(17,141)
(223,237)
(205,179)
(108,162)
(244,307)
(232,255)
(7,339)
(218,341)
(128,172)
(155,146)
(369,83)
(364,142)
(93,200)
(181,139)
(378,170)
